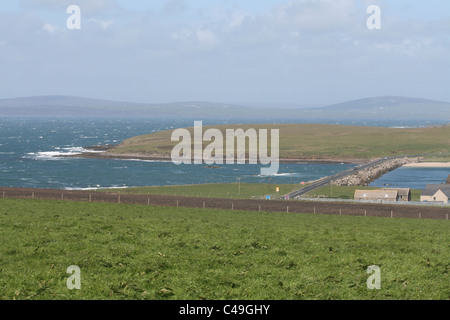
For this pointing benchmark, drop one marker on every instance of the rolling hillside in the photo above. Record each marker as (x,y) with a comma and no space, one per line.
(317,141)
(382,108)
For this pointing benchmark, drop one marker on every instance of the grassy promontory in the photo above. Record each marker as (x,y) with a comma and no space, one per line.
(309,142)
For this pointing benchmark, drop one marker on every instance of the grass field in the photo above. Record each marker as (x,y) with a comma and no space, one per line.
(250,191)
(222,190)
(437,159)
(319,141)
(144,252)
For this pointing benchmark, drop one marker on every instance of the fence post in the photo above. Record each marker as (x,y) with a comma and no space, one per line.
(392,214)
(203,204)
(259,207)
(90,198)
(177,203)
(3,194)
(32,195)
(118,199)
(62,196)
(340,212)
(232,206)
(148,201)
(314,210)
(287,209)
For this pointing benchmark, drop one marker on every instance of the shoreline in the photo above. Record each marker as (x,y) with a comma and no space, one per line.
(164,158)
(104,152)
(428,165)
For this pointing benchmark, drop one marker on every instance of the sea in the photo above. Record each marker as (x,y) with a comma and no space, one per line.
(30,150)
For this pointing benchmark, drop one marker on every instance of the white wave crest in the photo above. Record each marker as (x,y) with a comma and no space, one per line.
(97,187)
(60,154)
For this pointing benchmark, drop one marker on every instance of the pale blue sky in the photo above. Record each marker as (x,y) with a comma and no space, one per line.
(294,51)
(412,9)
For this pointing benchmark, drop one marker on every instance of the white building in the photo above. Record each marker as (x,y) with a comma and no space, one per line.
(436,193)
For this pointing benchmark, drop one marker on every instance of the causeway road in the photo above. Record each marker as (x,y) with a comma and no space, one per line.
(325,181)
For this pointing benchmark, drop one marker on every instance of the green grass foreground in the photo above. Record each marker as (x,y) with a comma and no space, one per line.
(144,252)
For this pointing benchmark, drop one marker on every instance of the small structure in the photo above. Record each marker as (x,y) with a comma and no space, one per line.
(448,179)
(376,195)
(404,194)
(401,194)
(436,193)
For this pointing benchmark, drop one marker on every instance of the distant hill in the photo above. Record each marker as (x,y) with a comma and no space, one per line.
(390,107)
(64,106)
(61,106)
(370,108)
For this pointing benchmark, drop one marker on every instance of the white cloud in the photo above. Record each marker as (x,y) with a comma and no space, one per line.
(89,7)
(103,24)
(308,46)
(184,34)
(315,15)
(50,28)
(175,7)
(422,48)
(207,37)
(237,18)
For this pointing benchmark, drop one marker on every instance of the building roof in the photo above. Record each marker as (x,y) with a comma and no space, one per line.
(401,191)
(431,189)
(446,191)
(376,194)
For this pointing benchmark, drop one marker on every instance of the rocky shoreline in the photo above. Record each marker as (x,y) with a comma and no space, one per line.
(365,177)
(104,152)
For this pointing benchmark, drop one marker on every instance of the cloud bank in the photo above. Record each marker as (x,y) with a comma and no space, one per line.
(297,51)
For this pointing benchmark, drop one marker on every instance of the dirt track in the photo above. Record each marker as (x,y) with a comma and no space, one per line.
(353,209)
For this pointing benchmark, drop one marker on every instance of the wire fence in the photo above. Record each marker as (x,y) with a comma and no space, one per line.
(400,203)
(292,206)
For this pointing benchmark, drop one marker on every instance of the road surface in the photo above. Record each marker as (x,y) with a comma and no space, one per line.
(325,181)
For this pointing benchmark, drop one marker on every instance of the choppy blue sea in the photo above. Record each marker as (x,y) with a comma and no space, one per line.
(28,147)
(416,178)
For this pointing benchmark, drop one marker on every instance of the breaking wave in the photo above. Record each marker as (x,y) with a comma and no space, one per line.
(59,154)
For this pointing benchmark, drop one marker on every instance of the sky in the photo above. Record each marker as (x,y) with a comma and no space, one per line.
(305,52)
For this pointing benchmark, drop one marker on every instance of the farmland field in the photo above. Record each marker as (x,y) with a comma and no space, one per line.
(249,191)
(146,252)
(215,190)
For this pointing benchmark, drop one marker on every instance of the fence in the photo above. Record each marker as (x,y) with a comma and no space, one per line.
(314,207)
(401,203)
